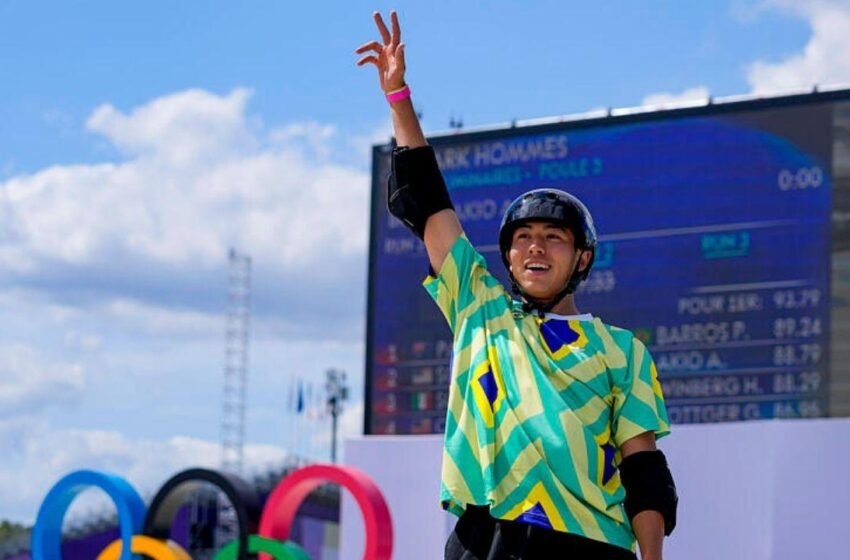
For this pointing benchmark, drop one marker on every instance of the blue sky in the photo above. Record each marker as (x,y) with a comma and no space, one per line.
(140,141)
(486,61)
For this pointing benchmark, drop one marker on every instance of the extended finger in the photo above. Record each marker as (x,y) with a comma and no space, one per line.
(370,46)
(368,60)
(396,28)
(382,27)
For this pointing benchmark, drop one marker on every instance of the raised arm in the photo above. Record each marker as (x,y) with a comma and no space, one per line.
(442,227)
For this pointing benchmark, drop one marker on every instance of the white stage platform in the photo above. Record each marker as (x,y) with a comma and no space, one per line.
(767,490)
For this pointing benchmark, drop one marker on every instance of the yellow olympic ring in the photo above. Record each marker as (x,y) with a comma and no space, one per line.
(149,546)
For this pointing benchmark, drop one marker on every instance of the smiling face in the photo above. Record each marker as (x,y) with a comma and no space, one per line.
(542,257)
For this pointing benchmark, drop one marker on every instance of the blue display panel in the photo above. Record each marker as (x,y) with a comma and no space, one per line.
(714,249)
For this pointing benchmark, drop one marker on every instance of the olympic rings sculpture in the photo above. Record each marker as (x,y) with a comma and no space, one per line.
(263,530)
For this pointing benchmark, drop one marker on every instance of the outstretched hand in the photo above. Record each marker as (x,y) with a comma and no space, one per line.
(388,57)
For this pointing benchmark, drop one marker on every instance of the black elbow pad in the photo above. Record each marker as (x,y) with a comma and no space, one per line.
(649,486)
(416,189)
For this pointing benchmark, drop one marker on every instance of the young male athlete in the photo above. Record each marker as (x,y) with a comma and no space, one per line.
(553,415)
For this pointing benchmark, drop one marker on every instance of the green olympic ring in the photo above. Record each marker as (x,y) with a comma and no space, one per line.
(256,543)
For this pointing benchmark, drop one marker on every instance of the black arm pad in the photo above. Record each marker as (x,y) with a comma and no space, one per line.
(416,189)
(649,486)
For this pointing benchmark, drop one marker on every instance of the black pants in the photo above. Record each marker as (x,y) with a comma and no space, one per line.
(478,536)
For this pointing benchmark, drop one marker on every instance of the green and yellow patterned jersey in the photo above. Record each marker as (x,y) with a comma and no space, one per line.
(538,408)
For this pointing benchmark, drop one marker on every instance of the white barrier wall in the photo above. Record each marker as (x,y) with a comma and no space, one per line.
(771,490)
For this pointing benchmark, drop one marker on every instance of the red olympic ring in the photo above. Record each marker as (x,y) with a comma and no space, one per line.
(279,511)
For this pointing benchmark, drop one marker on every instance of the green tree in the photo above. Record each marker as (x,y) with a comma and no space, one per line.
(9,529)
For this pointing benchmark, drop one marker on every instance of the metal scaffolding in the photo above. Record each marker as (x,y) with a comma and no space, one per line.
(236,362)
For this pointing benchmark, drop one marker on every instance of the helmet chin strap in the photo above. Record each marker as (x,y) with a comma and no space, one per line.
(543,306)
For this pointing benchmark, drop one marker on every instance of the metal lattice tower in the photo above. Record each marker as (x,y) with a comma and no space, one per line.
(236,362)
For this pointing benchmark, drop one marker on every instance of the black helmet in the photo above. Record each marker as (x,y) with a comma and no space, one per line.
(550,205)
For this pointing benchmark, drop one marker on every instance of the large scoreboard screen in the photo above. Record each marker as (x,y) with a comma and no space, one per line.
(723,246)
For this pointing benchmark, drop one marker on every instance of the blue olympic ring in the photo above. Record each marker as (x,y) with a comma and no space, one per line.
(47,533)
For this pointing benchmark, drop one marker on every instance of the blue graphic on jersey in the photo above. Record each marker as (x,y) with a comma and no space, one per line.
(488,383)
(557,334)
(608,468)
(535,516)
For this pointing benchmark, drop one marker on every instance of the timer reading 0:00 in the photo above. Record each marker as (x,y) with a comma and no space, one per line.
(802,178)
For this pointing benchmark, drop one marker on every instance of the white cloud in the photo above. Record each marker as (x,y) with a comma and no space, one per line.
(29,382)
(179,128)
(161,321)
(824,59)
(666,99)
(82,341)
(37,455)
(351,424)
(200,177)
(311,135)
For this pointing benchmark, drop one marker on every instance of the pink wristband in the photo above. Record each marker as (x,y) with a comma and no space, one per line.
(398,94)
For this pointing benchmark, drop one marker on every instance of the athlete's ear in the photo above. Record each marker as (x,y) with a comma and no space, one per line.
(583,260)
